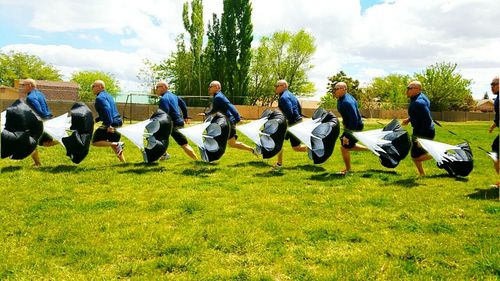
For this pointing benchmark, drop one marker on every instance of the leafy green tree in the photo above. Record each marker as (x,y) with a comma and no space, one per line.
(390,90)
(18,65)
(446,89)
(237,29)
(195,28)
(214,51)
(329,101)
(284,55)
(86,78)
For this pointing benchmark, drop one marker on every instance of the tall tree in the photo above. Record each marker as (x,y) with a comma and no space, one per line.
(328,101)
(284,55)
(237,36)
(390,90)
(446,88)
(86,78)
(214,51)
(18,65)
(195,28)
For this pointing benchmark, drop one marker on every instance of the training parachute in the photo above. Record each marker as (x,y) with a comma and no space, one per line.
(2,120)
(210,136)
(268,132)
(77,144)
(319,134)
(455,159)
(391,144)
(155,131)
(23,128)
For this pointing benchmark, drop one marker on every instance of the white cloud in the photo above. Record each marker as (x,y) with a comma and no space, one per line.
(395,36)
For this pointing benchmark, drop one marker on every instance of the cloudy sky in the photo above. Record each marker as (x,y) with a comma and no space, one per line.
(366,38)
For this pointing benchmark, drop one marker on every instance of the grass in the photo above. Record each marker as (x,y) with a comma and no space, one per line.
(238,220)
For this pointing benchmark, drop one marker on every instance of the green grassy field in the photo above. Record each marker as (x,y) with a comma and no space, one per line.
(239,220)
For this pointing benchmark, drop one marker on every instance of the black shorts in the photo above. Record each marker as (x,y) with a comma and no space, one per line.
(349,136)
(179,138)
(101,134)
(232,131)
(294,141)
(44,138)
(494,146)
(416,149)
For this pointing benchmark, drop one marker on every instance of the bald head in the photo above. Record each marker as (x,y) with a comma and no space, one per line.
(280,86)
(28,85)
(98,86)
(494,85)
(413,89)
(214,87)
(340,89)
(161,87)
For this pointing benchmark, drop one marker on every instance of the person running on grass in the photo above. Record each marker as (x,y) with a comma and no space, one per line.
(290,107)
(494,146)
(106,135)
(170,103)
(347,106)
(419,112)
(36,100)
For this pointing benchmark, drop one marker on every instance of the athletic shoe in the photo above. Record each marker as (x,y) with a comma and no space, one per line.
(119,148)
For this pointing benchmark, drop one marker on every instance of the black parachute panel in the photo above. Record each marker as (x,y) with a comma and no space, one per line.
(82,124)
(399,147)
(324,136)
(23,128)
(273,133)
(215,137)
(458,162)
(158,131)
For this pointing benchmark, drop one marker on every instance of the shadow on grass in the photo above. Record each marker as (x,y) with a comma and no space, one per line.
(257,164)
(442,176)
(271,174)
(387,172)
(199,171)
(327,176)
(142,168)
(408,183)
(308,167)
(10,169)
(484,194)
(64,169)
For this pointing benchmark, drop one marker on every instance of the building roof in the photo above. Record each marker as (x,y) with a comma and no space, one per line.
(481,102)
(54,84)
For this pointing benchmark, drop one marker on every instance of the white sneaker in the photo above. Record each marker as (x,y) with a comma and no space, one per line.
(119,148)
(165,156)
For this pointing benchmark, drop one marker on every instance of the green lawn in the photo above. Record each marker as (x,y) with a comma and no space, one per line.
(237,219)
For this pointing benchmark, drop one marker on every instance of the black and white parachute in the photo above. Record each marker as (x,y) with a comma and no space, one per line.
(22,129)
(77,144)
(455,159)
(391,144)
(210,136)
(268,132)
(319,134)
(154,131)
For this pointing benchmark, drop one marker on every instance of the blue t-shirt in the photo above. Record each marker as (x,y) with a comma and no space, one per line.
(347,106)
(420,116)
(170,103)
(36,100)
(290,106)
(107,111)
(496,110)
(221,104)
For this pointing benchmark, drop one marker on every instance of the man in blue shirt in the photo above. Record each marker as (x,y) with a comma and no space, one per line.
(419,112)
(221,104)
(106,135)
(290,107)
(36,100)
(170,103)
(494,146)
(347,106)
